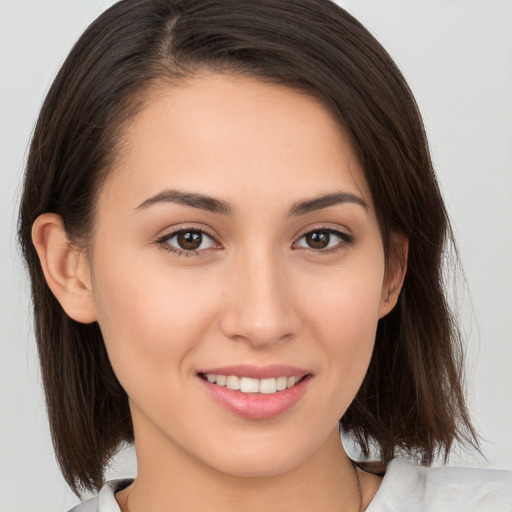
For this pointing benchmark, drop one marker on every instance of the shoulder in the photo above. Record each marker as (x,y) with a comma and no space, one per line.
(407,487)
(105,501)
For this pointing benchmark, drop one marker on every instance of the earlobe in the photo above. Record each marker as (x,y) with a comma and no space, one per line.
(395,274)
(65,268)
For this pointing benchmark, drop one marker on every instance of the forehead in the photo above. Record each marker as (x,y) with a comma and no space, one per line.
(228,136)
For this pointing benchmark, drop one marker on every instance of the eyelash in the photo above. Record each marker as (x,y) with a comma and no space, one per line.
(345,240)
(163,241)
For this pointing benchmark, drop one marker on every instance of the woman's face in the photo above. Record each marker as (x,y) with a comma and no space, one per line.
(236,240)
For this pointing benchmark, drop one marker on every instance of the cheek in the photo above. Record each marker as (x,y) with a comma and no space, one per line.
(345,301)
(150,318)
(344,312)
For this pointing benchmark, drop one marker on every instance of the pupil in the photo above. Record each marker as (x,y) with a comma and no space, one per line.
(318,239)
(190,241)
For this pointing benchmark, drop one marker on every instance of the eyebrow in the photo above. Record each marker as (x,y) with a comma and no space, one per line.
(195,200)
(324,201)
(213,205)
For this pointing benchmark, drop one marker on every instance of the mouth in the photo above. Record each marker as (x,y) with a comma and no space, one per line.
(256,393)
(267,386)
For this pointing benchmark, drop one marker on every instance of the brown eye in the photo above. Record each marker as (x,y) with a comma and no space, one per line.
(318,239)
(189,240)
(324,240)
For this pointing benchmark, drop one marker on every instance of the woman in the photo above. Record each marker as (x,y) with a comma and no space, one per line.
(234,235)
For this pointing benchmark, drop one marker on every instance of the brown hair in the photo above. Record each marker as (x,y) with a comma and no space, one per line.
(411,401)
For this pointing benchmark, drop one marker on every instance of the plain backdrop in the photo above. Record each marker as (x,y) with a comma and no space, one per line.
(457,57)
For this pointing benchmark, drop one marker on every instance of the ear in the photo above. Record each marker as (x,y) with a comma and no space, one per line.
(65,268)
(396,269)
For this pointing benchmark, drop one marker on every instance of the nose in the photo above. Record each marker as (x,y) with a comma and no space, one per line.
(259,302)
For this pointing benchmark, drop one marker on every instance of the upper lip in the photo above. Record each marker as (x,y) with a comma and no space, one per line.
(258,372)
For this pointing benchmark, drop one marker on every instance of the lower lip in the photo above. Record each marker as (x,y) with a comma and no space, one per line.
(257,406)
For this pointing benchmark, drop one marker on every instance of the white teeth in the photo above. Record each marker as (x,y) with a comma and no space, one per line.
(233,382)
(281,383)
(291,381)
(249,385)
(268,386)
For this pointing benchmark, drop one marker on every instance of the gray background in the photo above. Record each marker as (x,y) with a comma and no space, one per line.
(457,57)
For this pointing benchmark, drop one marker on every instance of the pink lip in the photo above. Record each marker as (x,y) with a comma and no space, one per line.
(258,372)
(257,406)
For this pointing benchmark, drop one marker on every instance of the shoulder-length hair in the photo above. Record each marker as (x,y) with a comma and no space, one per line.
(411,401)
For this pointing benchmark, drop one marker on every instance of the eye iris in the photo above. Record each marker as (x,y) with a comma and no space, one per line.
(190,240)
(318,239)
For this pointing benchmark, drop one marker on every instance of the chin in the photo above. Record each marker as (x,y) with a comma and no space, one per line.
(258,459)
(260,467)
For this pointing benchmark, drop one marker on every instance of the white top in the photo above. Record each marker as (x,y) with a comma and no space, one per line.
(405,488)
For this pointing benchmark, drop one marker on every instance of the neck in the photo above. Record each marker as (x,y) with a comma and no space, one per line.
(326,481)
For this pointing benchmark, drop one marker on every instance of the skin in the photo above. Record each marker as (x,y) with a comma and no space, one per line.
(255,293)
